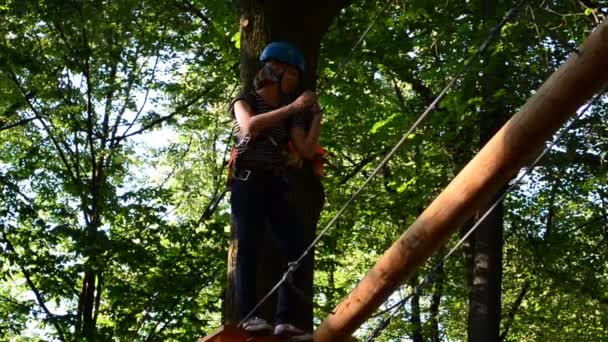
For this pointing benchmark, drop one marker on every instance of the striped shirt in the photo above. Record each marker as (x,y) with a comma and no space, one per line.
(268,149)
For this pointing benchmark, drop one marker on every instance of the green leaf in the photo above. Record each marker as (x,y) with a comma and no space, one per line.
(236,38)
(378,125)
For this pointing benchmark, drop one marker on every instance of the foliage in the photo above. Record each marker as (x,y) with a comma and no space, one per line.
(113,141)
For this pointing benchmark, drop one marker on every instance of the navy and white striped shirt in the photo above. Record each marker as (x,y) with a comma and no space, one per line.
(266,150)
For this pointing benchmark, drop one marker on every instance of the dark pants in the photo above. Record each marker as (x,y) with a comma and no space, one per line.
(256,202)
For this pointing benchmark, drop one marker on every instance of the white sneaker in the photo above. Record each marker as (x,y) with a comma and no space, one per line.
(288,332)
(257,325)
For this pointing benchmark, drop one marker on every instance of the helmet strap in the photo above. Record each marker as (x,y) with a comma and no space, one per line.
(277,77)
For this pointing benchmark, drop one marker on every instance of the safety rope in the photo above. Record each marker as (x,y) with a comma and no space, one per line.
(294,266)
(429,277)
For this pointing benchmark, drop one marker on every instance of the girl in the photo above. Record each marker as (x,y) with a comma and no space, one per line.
(264,123)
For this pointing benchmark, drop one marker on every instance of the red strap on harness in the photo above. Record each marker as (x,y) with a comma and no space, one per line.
(317,160)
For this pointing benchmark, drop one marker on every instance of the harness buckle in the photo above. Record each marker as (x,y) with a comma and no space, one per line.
(242,175)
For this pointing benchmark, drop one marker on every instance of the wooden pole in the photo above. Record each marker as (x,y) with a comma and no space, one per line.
(518,142)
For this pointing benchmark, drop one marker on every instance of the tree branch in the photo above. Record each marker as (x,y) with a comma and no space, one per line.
(174,305)
(63,38)
(79,312)
(12,109)
(551,210)
(147,94)
(90,110)
(108,107)
(51,317)
(556,158)
(414,317)
(564,279)
(16,302)
(55,142)
(225,155)
(32,207)
(359,167)
(436,300)
(100,281)
(188,6)
(212,206)
(585,224)
(17,124)
(398,93)
(130,83)
(75,155)
(62,156)
(162,119)
(511,316)
(191,8)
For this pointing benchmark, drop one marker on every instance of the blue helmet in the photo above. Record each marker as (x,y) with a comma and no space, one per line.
(284,53)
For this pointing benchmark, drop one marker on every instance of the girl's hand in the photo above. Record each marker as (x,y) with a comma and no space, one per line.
(316,109)
(304,101)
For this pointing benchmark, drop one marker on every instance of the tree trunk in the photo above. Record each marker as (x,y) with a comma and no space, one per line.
(436,300)
(303,24)
(487,241)
(90,298)
(485,292)
(415,318)
(87,305)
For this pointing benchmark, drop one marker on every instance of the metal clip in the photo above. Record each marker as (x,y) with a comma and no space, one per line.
(242,175)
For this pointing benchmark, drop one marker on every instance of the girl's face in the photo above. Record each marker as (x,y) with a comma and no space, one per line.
(291,76)
(290,79)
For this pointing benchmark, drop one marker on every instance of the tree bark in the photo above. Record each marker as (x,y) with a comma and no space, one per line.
(415,318)
(303,24)
(436,301)
(487,241)
(485,293)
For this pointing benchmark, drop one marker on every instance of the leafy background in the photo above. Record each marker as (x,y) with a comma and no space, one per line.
(113,140)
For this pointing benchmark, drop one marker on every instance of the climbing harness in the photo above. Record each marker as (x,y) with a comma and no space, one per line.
(294,159)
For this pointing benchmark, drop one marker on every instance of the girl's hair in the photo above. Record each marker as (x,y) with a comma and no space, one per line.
(265,76)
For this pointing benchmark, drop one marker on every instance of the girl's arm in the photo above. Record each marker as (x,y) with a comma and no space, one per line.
(252,124)
(306,142)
